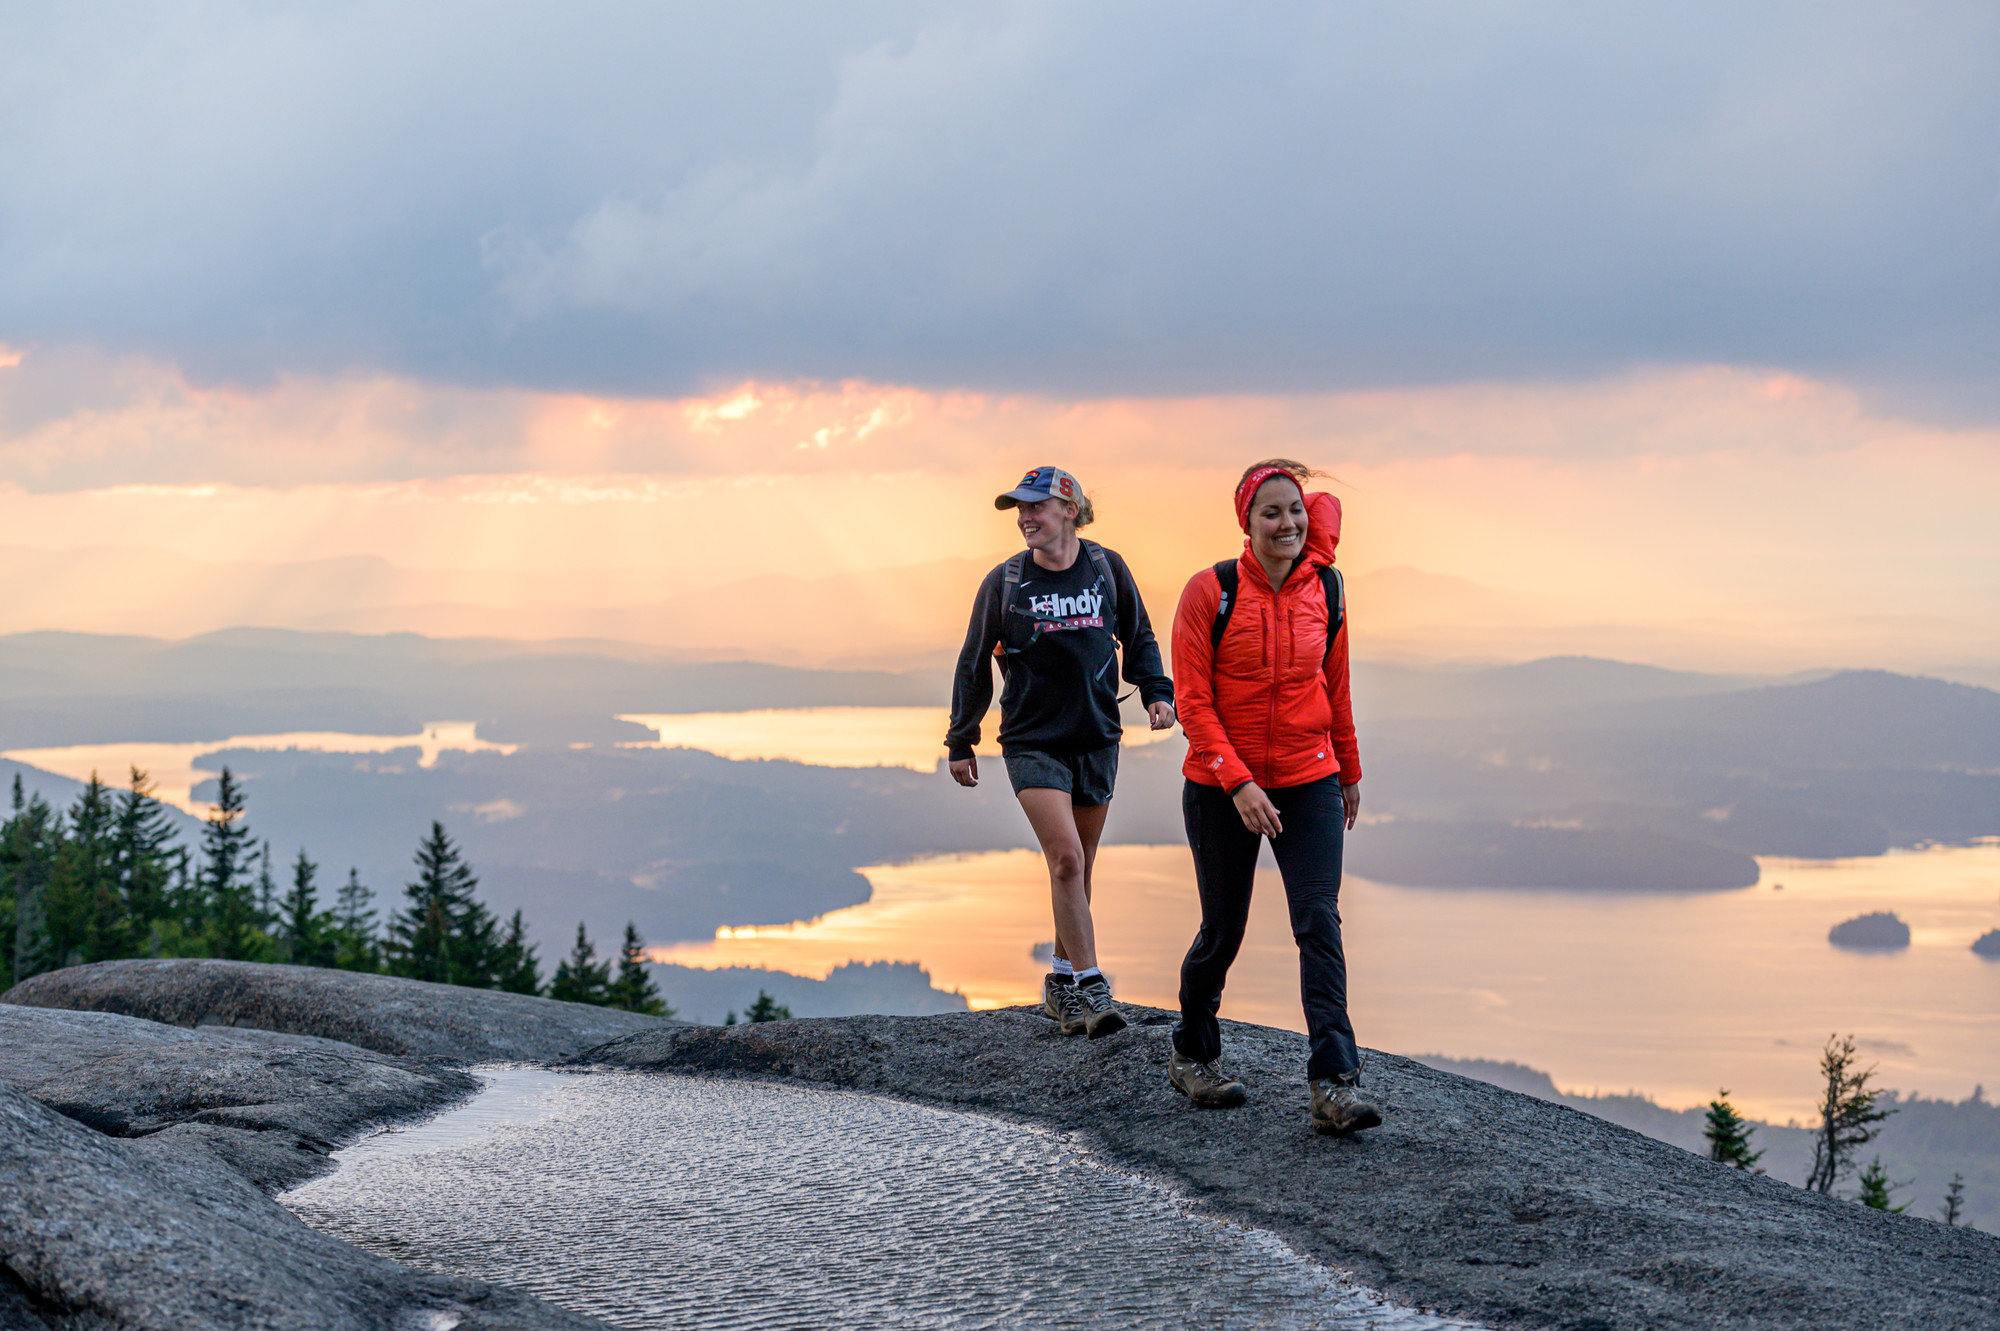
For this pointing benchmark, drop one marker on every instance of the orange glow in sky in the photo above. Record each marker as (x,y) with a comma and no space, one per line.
(1707,517)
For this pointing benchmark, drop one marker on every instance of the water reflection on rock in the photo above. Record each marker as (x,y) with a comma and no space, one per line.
(665,1201)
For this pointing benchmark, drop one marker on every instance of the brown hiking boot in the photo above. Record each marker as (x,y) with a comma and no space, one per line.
(1101,1016)
(1338,1108)
(1206,1084)
(1063,1006)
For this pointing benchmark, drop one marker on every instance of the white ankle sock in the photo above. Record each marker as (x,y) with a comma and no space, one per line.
(1084,977)
(1062,967)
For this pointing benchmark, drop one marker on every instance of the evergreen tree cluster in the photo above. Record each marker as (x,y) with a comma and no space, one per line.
(105,880)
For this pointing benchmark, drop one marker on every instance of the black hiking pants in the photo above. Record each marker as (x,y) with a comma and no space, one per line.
(1225,862)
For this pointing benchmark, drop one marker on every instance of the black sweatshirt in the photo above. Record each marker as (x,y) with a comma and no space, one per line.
(1061,694)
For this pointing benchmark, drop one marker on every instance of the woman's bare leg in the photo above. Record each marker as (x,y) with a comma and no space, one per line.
(1089,827)
(1056,821)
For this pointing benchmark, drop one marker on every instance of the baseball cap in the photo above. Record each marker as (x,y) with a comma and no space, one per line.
(1040,484)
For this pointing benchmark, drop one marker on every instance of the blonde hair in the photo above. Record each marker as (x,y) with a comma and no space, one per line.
(1085,514)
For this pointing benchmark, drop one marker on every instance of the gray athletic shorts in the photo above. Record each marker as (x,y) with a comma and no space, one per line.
(1088,777)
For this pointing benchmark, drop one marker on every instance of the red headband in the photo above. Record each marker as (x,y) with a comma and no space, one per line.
(1251,484)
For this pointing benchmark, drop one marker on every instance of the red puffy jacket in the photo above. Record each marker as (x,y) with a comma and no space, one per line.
(1270,703)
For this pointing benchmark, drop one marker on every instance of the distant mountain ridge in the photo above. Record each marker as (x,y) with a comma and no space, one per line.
(60,689)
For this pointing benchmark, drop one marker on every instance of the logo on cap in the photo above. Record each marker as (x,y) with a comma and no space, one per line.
(1067,487)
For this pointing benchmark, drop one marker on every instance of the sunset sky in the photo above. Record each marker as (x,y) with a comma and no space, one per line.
(1668,335)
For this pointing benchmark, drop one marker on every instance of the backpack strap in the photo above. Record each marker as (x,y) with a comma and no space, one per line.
(1225,573)
(1330,581)
(1010,588)
(1103,566)
(1336,601)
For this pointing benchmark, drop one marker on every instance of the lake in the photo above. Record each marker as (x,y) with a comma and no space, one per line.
(1674,995)
(823,736)
(910,737)
(174,774)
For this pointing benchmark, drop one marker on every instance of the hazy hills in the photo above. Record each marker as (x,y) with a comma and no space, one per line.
(1849,764)
(895,618)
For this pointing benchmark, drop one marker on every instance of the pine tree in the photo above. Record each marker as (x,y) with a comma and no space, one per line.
(232,922)
(581,977)
(767,1009)
(1728,1135)
(141,840)
(85,911)
(355,948)
(1954,1200)
(634,990)
(307,932)
(1876,1189)
(519,971)
(445,934)
(1847,1110)
(28,845)
(267,889)
(7,898)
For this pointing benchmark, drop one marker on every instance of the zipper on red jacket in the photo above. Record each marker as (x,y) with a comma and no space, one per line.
(1277,670)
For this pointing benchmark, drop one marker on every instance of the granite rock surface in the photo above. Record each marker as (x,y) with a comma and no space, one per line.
(407,1018)
(276,1105)
(98,1232)
(138,1160)
(1470,1200)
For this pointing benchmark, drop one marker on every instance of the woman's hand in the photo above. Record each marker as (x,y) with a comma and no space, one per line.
(1256,809)
(1161,714)
(1351,797)
(965,771)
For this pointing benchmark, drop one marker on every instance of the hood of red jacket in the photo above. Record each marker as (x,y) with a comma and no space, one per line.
(1322,529)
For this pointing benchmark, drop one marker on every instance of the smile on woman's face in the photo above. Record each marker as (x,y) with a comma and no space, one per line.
(1043,523)
(1277,521)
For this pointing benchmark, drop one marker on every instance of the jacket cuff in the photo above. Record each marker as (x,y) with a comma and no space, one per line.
(958,753)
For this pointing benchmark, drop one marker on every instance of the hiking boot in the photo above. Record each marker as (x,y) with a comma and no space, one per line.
(1205,1084)
(1101,1016)
(1059,1002)
(1338,1108)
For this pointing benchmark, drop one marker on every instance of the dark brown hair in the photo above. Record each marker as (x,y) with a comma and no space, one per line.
(1298,471)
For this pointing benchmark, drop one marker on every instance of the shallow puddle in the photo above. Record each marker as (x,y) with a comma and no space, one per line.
(657,1201)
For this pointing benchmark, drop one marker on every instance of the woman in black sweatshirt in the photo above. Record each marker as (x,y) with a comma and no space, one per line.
(1055,615)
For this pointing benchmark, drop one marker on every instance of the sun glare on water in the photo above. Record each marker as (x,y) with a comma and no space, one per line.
(172,769)
(1673,993)
(911,737)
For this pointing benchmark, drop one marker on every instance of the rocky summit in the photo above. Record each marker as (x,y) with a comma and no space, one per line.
(378,1012)
(149,1110)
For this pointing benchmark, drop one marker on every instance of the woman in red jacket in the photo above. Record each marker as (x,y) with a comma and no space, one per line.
(1260,669)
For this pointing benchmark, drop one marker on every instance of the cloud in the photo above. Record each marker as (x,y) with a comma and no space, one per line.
(71,419)
(1699,516)
(1090,201)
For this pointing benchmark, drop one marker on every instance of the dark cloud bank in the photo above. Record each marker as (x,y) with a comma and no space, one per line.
(1136,197)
